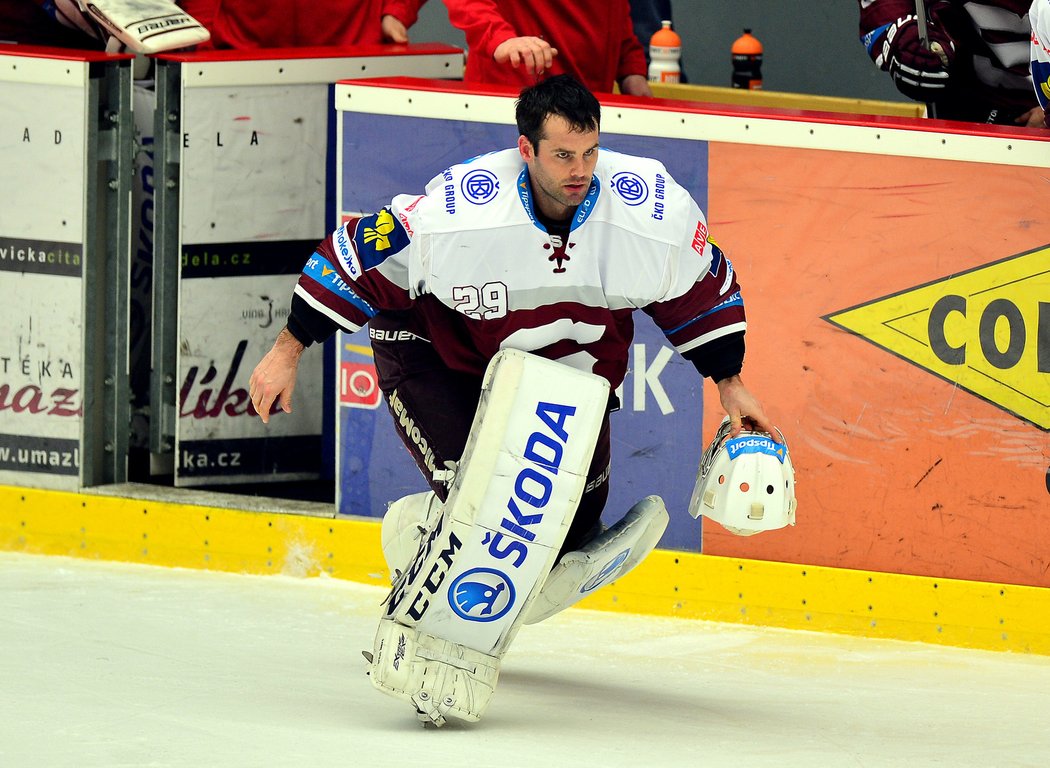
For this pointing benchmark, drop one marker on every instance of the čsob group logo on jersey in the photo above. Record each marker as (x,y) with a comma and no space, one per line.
(481,594)
(630,187)
(479,187)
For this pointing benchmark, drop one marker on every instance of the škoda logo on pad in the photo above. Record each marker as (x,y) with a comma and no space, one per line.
(987,330)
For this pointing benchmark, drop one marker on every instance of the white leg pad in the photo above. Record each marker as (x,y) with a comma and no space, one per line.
(606,557)
(438,677)
(468,588)
(406,523)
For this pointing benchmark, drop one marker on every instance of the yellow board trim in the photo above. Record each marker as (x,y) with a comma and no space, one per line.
(713,94)
(966,614)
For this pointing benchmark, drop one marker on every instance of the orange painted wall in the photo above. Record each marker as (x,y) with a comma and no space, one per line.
(899,469)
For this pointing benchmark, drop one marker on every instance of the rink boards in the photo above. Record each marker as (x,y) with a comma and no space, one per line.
(895,274)
(896,277)
(272,537)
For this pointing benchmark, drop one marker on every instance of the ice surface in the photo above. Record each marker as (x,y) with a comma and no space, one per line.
(111,664)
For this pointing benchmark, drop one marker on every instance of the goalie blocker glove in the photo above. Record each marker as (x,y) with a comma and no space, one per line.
(139,26)
(919,72)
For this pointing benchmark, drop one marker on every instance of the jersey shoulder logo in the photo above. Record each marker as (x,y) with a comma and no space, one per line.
(378,235)
(479,186)
(630,187)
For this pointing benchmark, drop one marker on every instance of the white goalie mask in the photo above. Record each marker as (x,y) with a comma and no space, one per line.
(745,483)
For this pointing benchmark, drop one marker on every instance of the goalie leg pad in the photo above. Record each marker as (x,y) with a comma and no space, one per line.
(510,505)
(608,556)
(407,522)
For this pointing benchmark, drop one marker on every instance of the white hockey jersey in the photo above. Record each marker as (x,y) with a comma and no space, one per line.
(479,271)
(1039,15)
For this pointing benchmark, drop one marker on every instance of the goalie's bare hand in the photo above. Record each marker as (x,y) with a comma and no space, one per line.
(743,408)
(533,53)
(274,377)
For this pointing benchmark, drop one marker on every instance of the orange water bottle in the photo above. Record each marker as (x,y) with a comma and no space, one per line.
(665,50)
(747,61)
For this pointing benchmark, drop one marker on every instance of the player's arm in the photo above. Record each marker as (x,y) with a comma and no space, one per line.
(706,324)
(488,34)
(743,408)
(273,379)
(891,33)
(702,313)
(358,270)
(396,18)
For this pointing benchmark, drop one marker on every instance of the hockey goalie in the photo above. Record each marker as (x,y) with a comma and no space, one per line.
(500,307)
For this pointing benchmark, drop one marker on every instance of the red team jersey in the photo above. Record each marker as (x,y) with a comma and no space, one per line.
(595,39)
(480,272)
(241,24)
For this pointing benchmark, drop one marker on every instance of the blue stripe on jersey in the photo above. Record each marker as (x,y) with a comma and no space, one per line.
(733,300)
(1041,76)
(320,270)
(868,40)
(717,257)
(378,237)
(525,195)
(583,210)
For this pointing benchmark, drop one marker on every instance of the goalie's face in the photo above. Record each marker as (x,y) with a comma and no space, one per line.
(561,165)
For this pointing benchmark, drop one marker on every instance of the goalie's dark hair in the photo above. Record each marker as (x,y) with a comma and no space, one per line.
(561,95)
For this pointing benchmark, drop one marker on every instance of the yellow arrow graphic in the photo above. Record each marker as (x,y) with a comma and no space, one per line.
(987,330)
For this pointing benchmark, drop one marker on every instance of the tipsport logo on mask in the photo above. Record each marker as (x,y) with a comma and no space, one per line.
(755,444)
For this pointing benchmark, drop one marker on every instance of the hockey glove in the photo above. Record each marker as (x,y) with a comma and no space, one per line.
(140,26)
(919,72)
